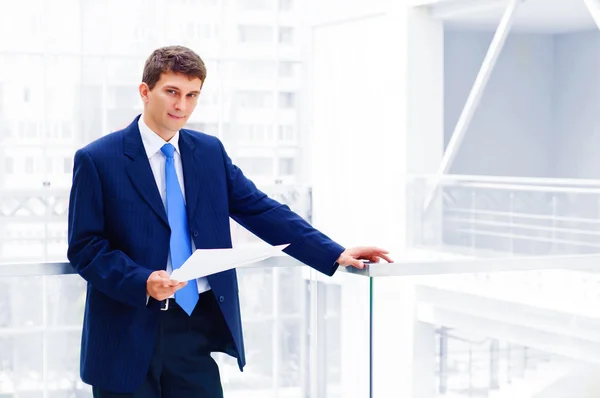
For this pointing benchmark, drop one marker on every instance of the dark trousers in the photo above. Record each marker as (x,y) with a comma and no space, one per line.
(181,365)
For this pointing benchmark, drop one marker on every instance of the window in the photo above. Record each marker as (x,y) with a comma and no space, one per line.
(200,31)
(67,165)
(28,129)
(193,3)
(255,34)
(255,69)
(227,132)
(9,166)
(206,128)
(287,166)
(286,5)
(255,4)
(123,97)
(287,100)
(256,166)
(254,99)
(66,130)
(286,69)
(286,35)
(255,133)
(6,129)
(29,165)
(286,133)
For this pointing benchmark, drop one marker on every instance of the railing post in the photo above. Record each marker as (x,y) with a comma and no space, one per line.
(473,216)
(511,220)
(553,248)
(494,364)
(443,361)
(470,370)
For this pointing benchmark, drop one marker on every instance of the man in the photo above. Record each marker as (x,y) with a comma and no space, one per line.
(142,200)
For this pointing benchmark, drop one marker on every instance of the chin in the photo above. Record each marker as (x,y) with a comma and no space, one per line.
(174,125)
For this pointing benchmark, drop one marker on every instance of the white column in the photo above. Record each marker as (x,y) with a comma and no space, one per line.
(425,116)
(357,142)
(357,159)
(377,113)
(403,348)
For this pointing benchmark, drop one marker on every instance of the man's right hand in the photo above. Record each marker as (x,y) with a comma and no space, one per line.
(160,286)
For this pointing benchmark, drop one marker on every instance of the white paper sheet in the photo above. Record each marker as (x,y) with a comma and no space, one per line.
(205,262)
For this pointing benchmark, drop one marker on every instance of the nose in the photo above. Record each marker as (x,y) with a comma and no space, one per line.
(180,104)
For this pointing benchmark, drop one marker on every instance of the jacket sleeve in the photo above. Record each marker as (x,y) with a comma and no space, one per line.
(110,271)
(277,224)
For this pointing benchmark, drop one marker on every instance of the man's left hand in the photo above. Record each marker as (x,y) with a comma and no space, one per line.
(352,256)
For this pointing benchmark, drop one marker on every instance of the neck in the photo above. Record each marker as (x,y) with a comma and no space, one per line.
(153,126)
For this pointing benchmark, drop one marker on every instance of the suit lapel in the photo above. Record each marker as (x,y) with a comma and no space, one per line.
(139,170)
(193,173)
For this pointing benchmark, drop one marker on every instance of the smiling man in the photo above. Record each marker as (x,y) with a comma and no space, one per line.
(142,200)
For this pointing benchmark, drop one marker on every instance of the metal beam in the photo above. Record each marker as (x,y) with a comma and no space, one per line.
(474,97)
(457,8)
(594,8)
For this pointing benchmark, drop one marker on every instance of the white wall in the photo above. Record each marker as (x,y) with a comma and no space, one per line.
(511,133)
(540,114)
(581,382)
(577,105)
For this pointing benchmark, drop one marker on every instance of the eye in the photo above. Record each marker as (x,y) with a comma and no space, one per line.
(172,92)
(192,95)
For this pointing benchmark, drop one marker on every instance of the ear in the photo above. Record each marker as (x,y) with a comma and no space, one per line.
(144,90)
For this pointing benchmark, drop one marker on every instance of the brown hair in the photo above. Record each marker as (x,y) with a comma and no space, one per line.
(177,59)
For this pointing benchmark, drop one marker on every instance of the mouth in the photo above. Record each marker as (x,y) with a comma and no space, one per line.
(176,117)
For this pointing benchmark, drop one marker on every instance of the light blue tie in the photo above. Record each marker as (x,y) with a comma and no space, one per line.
(180,244)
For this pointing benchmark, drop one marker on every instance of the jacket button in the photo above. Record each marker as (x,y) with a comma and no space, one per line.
(221,299)
(195,234)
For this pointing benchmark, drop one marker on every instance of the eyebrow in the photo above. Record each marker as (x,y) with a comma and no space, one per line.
(178,89)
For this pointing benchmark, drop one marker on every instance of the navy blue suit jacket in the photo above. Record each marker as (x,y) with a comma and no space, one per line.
(119,235)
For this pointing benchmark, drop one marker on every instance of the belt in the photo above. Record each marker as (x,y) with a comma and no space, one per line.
(164,305)
(171,303)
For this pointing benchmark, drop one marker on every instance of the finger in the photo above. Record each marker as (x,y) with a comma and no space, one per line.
(377,252)
(163,274)
(182,284)
(357,264)
(386,258)
(371,249)
(173,282)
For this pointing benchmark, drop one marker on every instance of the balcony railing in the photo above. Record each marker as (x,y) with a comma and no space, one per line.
(463,313)
(512,216)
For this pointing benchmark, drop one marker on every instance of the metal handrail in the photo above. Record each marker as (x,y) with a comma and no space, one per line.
(527,237)
(449,178)
(540,228)
(36,269)
(545,217)
(65,268)
(528,188)
(402,267)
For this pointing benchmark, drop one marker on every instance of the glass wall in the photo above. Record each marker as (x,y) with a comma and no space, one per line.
(69,73)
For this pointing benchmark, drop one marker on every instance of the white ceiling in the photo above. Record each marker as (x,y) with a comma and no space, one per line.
(549,16)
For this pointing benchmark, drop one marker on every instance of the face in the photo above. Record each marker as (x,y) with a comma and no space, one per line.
(168,106)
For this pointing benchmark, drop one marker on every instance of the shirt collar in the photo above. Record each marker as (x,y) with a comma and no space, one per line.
(152,141)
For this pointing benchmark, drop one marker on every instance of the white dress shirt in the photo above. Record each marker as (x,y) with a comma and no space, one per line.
(153,144)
